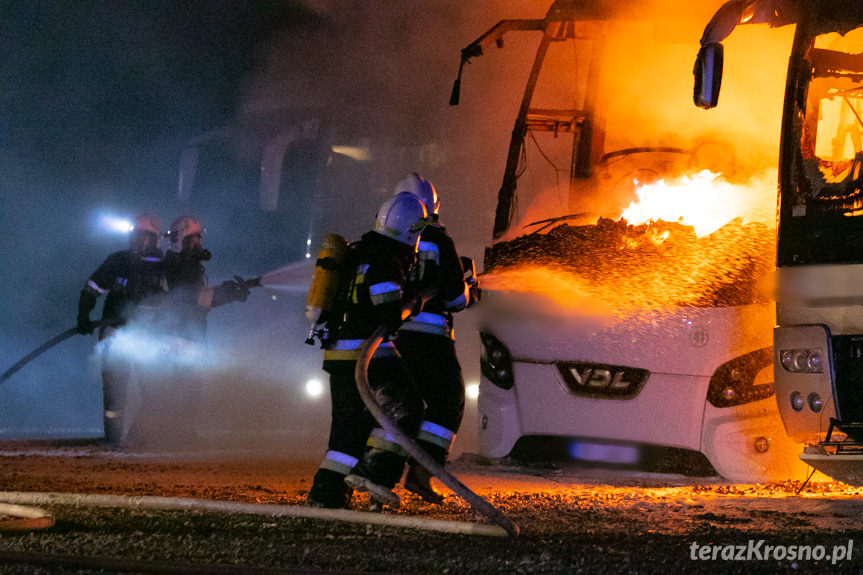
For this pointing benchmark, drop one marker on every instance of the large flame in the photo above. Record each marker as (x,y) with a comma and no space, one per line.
(704,201)
(698,241)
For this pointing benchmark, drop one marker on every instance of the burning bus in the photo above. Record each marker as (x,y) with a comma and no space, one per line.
(818,338)
(628,309)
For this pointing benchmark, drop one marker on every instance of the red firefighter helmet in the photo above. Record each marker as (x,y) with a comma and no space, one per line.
(181,228)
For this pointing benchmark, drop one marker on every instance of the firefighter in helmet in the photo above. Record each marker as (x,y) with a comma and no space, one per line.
(181,322)
(189,297)
(426,341)
(376,270)
(126,278)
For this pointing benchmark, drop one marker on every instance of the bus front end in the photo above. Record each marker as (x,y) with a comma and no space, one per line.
(818,339)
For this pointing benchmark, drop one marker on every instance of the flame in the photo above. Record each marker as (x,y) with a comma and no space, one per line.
(704,201)
(696,241)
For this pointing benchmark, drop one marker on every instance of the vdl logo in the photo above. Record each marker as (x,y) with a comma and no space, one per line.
(601,380)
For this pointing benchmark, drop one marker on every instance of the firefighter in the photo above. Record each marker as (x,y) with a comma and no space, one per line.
(126,278)
(189,298)
(183,321)
(376,271)
(426,341)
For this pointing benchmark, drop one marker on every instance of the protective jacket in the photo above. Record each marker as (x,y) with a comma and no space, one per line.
(189,299)
(127,278)
(185,279)
(438,264)
(379,266)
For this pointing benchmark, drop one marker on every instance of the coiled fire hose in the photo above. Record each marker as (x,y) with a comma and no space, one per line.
(367,349)
(20,518)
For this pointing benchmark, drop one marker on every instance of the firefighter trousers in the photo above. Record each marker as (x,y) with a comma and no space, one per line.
(352,423)
(432,361)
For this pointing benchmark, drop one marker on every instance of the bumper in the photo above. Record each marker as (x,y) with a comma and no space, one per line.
(845,468)
(670,411)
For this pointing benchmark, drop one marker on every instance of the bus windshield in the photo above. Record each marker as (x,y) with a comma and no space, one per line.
(822,218)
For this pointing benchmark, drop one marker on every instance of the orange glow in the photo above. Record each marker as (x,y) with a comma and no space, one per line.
(700,240)
(704,201)
(623,270)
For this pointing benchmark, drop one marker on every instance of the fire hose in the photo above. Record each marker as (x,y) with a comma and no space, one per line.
(48,345)
(367,349)
(286,277)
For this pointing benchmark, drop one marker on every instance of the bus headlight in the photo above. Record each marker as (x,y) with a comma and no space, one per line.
(802,360)
(815,403)
(496,361)
(799,362)
(796,401)
(813,361)
(787,358)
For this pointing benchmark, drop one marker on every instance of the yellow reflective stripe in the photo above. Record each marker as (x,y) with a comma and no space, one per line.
(382,298)
(341,354)
(359,279)
(385,445)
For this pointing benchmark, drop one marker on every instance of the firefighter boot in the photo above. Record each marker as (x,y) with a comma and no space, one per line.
(418,479)
(113,429)
(418,482)
(377,474)
(329,491)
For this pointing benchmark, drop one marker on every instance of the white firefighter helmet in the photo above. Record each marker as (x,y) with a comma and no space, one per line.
(181,227)
(146,221)
(421,188)
(402,217)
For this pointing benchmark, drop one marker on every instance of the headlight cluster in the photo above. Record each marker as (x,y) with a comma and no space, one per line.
(496,362)
(798,403)
(802,360)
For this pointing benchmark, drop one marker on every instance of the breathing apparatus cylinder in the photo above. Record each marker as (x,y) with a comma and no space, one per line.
(323,292)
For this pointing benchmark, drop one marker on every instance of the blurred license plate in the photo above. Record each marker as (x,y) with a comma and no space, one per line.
(604,453)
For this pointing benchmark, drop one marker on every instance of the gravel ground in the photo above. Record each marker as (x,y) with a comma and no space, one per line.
(571,521)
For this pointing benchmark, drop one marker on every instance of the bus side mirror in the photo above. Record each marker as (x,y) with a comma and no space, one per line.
(708,76)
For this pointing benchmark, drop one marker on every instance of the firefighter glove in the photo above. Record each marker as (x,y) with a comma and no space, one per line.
(230,291)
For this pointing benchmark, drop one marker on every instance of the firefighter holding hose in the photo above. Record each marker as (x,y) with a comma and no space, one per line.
(426,341)
(182,319)
(126,278)
(373,292)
